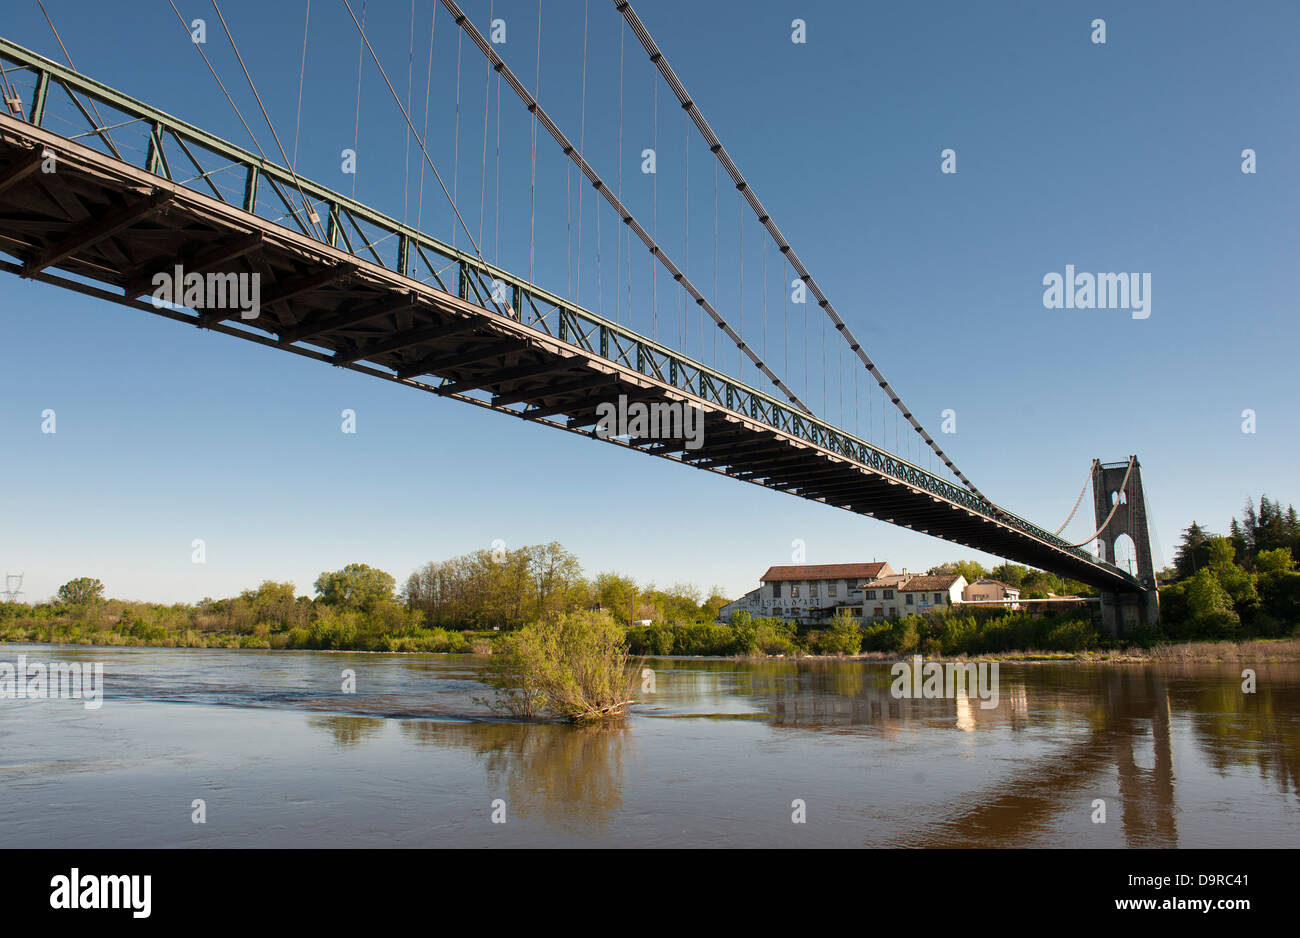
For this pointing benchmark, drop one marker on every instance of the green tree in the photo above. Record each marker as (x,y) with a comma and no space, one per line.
(1209,605)
(1269,562)
(1241,551)
(970,569)
(843,638)
(556,575)
(357,587)
(1218,550)
(712,606)
(82,591)
(1279,595)
(1191,555)
(746,629)
(1012,574)
(1037,584)
(618,595)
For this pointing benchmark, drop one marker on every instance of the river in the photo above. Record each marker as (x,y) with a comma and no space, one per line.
(720,753)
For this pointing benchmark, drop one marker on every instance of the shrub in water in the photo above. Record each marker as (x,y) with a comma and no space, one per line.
(574,665)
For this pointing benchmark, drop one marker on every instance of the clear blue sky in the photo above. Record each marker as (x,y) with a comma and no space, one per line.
(1115,157)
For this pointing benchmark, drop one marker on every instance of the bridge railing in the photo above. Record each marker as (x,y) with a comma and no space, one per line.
(130,130)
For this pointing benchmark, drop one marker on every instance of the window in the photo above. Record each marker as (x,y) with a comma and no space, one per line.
(889,594)
(832,590)
(794,592)
(909,599)
(938,598)
(812,590)
(871,594)
(776,590)
(778,611)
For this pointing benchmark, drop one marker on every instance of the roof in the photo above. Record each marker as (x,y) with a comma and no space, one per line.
(988,580)
(886,582)
(824,571)
(924,583)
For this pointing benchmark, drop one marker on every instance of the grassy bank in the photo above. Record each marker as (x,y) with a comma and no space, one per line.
(271,618)
(237,624)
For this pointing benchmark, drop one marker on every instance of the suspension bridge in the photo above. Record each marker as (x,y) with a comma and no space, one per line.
(100,193)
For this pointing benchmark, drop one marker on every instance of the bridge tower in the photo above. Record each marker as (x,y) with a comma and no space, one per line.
(1121,509)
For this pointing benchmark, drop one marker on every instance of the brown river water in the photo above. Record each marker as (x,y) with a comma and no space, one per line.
(721,753)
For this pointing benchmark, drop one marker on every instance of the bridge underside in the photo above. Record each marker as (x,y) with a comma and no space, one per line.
(114,225)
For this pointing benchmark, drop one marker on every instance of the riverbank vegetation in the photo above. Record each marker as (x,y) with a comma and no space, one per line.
(459,605)
(955,631)
(1237,587)
(1240,586)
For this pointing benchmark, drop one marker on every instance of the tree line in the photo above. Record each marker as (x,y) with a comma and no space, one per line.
(1241,584)
(439,608)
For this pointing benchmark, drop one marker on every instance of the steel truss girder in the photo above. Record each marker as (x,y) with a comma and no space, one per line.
(310,329)
(407,339)
(82,235)
(439,361)
(140,279)
(558,390)
(532,370)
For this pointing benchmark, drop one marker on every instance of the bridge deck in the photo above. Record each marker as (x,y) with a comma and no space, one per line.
(111,226)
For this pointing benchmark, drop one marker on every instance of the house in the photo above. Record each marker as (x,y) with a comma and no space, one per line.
(880,599)
(808,593)
(989,590)
(923,593)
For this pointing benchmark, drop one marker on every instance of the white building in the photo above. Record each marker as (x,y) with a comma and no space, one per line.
(808,593)
(880,599)
(923,593)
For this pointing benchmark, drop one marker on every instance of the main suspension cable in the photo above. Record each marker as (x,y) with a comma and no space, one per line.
(628,219)
(1079,500)
(715,145)
(1113,508)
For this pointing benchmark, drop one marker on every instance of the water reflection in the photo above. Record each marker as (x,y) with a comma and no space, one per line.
(570,776)
(1178,753)
(1113,714)
(348,730)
